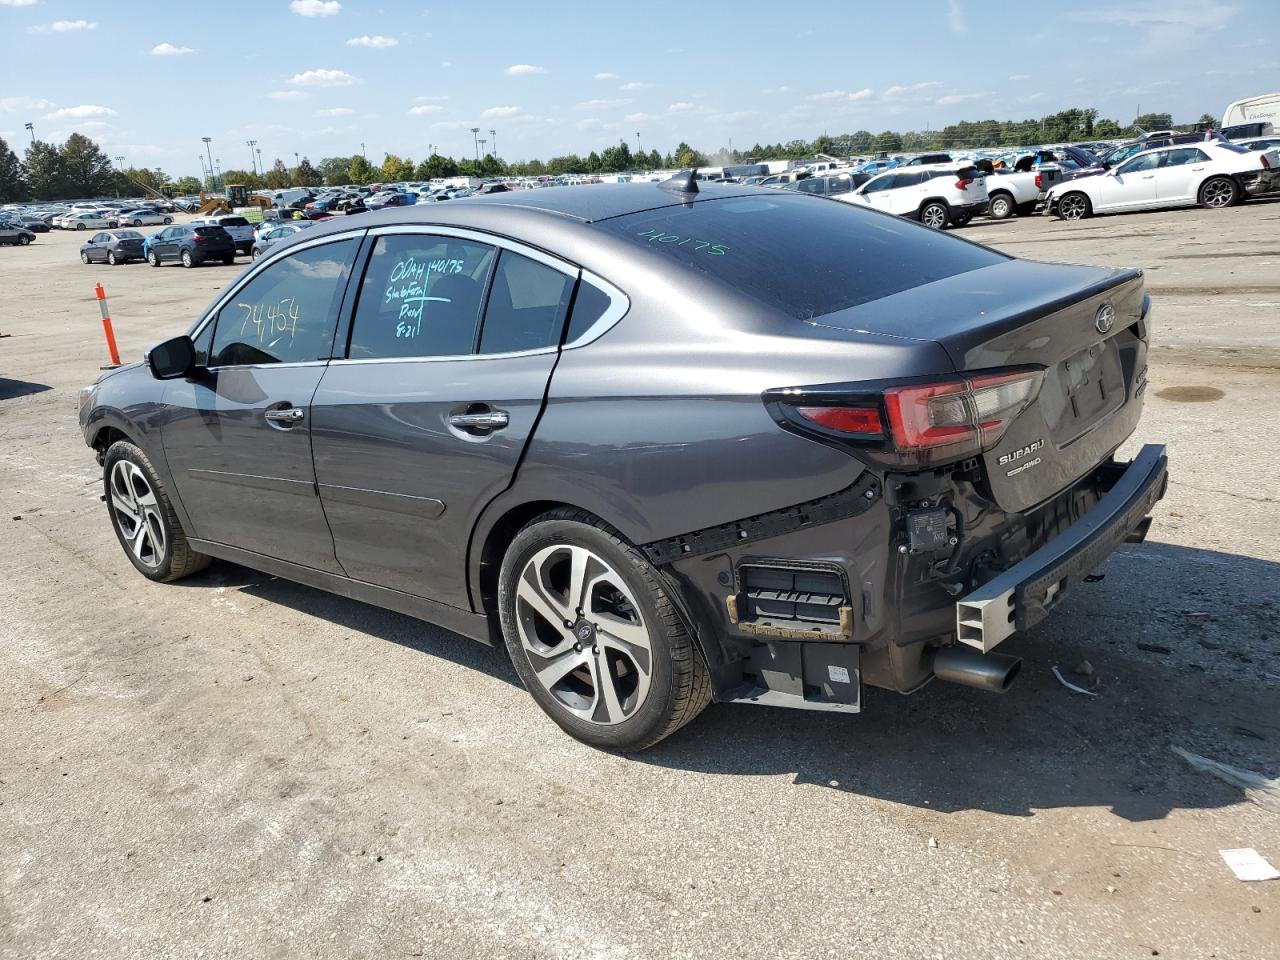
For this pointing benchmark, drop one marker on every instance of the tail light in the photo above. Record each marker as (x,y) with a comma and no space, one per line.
(1039,181)
(198,238)
(963,184)
(1266,164)
(912,425)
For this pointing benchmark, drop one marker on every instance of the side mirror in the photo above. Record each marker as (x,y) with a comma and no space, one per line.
(1113,172)
(173,359)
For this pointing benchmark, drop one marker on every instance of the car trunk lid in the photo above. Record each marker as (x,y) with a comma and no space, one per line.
(1083,326)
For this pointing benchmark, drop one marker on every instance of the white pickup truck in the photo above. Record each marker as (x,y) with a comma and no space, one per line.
(1011,192)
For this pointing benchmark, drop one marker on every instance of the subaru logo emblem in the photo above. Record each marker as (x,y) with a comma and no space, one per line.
(1105,318)
(584,631)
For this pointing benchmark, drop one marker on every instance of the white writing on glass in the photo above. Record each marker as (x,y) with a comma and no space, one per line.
(270,321)
(408,286)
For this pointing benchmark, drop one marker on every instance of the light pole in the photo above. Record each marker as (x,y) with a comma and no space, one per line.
(362,153)
(637,143)
(261,169)
(431,149)
(218,167)
(480,144)
(251,144)
(475,134)
(204,174)
(209,151)
(31,128)
(119,170)
(494,134)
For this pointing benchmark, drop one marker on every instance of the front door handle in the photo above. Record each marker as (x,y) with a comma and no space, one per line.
(287,417)
(480,420)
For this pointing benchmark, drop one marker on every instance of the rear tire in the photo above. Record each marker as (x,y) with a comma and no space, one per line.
(143,517)
(153,258)
(137,223)
(1001,206)
(622,674)
(23,241)
(935,215)
(188,261)
(79,226)
(1218,193)
(1075,206)
(111,258)
(168,220)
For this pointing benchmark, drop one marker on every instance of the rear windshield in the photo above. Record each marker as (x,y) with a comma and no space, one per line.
(209,231)
(234,222)
(802,255)
(128,235)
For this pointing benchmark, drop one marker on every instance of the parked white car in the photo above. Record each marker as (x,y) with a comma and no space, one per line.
(87,221)
(142,217)
(1213,174)
(938,196)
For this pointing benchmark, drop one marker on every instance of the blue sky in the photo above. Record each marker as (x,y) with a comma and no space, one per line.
(320,77)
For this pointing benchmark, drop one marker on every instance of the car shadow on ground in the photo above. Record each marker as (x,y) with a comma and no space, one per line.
(951,748)
(382,624)
(12,389)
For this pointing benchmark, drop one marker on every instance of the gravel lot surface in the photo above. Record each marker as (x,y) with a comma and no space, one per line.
(235,766)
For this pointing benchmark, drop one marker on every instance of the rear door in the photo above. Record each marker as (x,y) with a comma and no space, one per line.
(1179,174)
(905,196)
(238,438)
(425,420)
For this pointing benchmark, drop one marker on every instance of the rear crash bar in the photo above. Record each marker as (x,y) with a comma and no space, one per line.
(1024,594)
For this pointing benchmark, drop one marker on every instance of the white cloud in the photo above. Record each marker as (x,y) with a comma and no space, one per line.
(600,104)
(952,99)
(499,113)
(287,95)
(898,89)
(65,26)
(335,112)
(680,107)
(439,99)
(636,85)
(315,8)
(772,90)
(424,110)
(637,117)
(955,17)
(1168,26)
(607,76)
(169,50)
(81,112)
(523,70)
(17,3)
(322,78)
(866,93)
(376,42)
(8,104)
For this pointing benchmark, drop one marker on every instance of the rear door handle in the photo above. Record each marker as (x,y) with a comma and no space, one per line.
(480,420)
(287,416)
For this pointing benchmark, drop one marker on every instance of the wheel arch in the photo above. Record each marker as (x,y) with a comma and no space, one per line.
(497,527)
(928,200)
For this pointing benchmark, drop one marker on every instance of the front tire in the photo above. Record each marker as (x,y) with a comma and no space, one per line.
(595,636)
(79,226)
(188,261)
(84,257)
(168,220)
(1075,206)
(143,518)
(1218,193)
(934,214)
(111,258)
(137,223)
(1001,206)
(153,258)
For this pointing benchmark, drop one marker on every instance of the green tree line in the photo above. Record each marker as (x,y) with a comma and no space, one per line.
(79,168)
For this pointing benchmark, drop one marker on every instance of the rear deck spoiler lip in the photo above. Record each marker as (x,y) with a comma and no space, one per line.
(1022,596)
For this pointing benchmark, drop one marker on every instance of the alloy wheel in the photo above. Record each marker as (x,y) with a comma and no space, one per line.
(137,513)
(1218,194)
(934,216)
(583,633)
(1072,207)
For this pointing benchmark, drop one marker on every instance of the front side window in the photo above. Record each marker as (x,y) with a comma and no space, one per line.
(879,184)
(288,311)
(526,308)
(420,297)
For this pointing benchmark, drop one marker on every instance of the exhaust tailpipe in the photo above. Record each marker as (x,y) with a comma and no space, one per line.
(993,672)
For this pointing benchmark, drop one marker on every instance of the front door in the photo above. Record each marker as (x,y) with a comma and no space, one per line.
(424,422)
(165,244)
(1132,185)
(97,249)
(238,438)
(1179,175)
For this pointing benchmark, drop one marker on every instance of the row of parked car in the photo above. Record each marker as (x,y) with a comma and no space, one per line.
(217,238)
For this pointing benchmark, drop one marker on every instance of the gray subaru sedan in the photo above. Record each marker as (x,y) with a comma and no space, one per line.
(670,443)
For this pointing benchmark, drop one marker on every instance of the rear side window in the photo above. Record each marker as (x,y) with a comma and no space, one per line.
(803,258)
(527,304)
(420,297)
(287,313)
(588,307)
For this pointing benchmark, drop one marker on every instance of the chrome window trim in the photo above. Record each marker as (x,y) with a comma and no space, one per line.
(619,306)
(270,366)
(453,356)
(257,267)
(478,236)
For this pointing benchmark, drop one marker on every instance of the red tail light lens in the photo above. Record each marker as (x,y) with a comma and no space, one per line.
(862,420)
(963,184)
(197,238)
(1039,181)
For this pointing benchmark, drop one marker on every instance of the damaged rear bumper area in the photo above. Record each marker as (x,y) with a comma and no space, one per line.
(1024,594)
(801,607)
